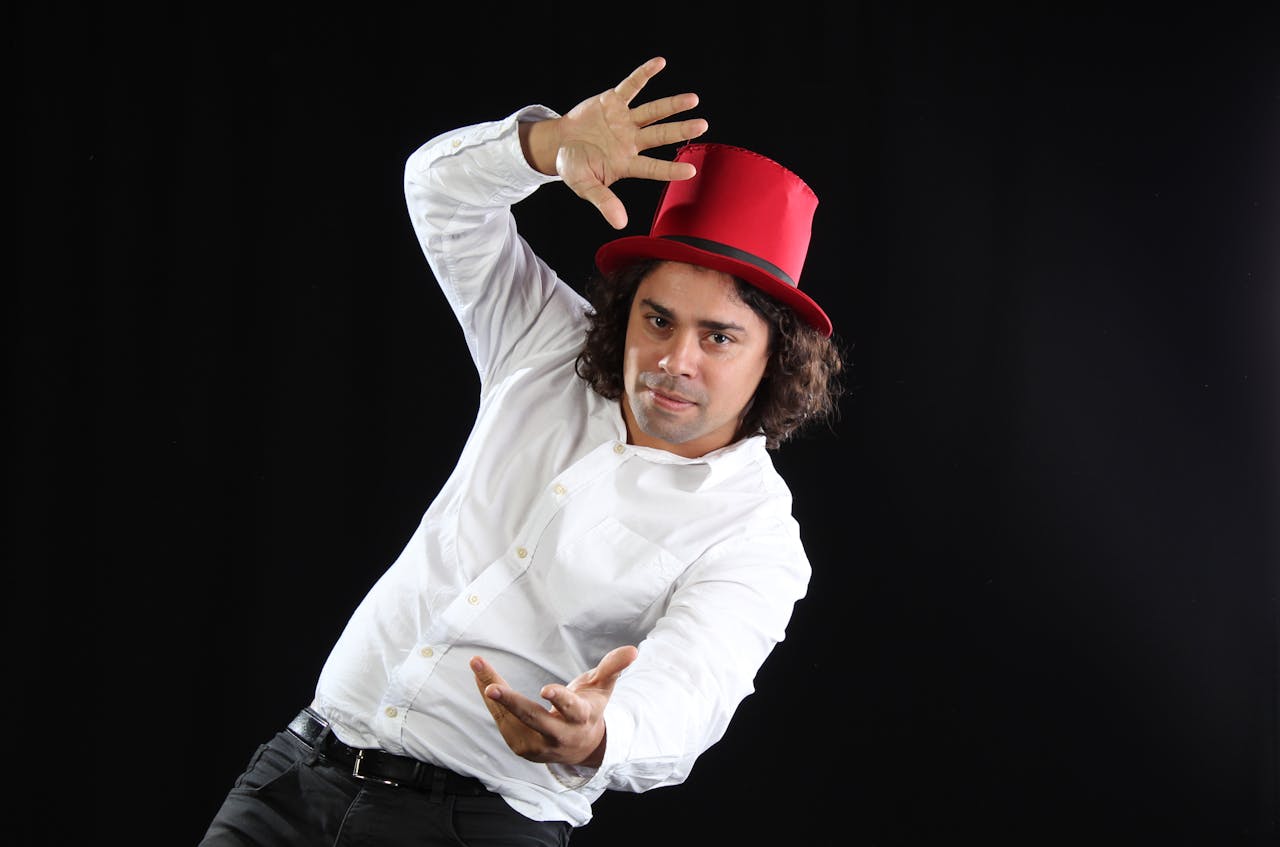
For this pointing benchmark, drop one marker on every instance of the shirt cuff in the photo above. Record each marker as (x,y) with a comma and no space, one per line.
(620,728)
(518,173)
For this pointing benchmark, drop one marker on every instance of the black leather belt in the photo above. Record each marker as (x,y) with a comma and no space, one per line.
(379,765)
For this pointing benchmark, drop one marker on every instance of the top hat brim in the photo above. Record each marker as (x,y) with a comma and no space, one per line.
(621,251)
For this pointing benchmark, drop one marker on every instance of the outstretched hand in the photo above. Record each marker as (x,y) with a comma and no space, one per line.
(602,139)
(572,731)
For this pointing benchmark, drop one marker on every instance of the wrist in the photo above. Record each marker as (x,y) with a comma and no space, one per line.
(540,142)
(596,757)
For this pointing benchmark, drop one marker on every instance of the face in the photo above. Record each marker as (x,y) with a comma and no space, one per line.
(695,354)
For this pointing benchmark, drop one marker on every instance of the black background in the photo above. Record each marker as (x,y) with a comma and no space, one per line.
(1044,536)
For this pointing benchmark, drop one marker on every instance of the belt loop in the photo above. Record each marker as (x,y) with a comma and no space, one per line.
(315,718)
(322,740)
(318,745)
(437,784)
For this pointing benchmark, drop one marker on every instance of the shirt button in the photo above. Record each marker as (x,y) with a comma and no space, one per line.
(457,142)
(427,652)
(474,599)
(559,489)
(618,448)
(521,552)
(390,711)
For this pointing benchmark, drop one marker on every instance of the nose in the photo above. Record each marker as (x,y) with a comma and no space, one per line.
(681,356)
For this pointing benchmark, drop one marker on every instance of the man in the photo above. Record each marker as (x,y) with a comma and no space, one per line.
(591,594)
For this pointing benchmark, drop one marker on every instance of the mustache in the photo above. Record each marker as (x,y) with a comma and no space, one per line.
(670,385)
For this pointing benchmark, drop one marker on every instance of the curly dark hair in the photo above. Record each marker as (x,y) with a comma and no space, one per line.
(801,383)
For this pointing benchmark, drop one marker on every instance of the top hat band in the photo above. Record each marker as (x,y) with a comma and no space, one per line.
(734,253)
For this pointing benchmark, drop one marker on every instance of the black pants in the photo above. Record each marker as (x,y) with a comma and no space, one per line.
(288,795)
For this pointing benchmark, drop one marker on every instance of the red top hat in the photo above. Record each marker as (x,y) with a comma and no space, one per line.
(742,214)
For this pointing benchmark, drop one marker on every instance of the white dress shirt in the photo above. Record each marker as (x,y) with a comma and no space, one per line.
(554,541)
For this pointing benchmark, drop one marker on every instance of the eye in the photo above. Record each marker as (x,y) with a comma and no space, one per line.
(720,339)
(658,321)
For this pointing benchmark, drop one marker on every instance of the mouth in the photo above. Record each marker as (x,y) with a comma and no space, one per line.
(671,402)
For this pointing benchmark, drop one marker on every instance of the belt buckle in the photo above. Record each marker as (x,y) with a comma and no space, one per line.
(355,771)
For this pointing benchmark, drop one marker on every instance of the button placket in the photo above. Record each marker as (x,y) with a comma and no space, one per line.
(487,587)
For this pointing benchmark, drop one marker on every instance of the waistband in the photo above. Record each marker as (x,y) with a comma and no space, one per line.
(379,765)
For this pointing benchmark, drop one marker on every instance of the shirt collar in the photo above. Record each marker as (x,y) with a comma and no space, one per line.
(716,466)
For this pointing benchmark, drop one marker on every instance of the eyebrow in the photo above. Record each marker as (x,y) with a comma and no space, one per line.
(718,326)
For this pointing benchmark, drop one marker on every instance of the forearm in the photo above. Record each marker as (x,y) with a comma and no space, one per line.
(459,189)
(697,665)
(458,178)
